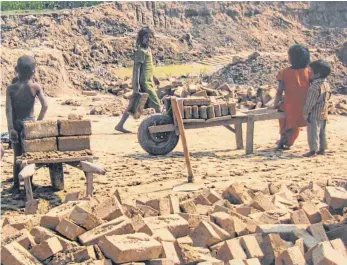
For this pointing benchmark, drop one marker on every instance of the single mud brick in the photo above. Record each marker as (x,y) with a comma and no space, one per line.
(40,145)
(119,226)
(163,235)
(4,221)
(195,112)
(246,210)
(160,262)
(26,240)
(69,229)
(312,212)
(224,235)
(185,240)
(211,261)
(217,110)
(213,196)
(201,199)
(326,215)
(75,127)
(338,245)
(15,254)
(162,205)
(324,254)
(237,193)
(84,218)
(340,232)
(336,197)
(293,256)
(240,227)
(225,221)
(72,196)
(188,206)
(192,219)
(235,262)
(40,129)
(299,217)
(232,108)
(253,261)
(108,209)
(201,93)
(53,217)
(210,112)
(177,225)
(231,249)
(203,112)
(204,235)
(8,232)
(318,232)
(85,253)
(174,204)
(73,143)
(148,211)
(272,246)
(224,109)
(196,101)
(251,247)
(301,245)
(89,93)
(130,248)
(47,249)
(188,114)
(262,203)
(138,222)
(169,251)
(102,262)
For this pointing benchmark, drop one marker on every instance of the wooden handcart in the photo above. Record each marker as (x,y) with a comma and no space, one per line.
(55,165)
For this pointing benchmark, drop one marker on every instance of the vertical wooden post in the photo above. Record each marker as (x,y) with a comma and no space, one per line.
(250,134)
(178,115)
(238,135)
(89,179)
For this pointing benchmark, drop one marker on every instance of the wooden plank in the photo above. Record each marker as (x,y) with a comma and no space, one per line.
(188,126)
(238,135)
(223,118)
(28,190)
(229,128)
(185,121)
(250,134)
(257,111)
(54,160)
(178,114)
(89,191)
(161,128)
(269,116)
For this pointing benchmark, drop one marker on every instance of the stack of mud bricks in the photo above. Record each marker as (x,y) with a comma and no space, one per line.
(201,108)
(63,135)
(245,224)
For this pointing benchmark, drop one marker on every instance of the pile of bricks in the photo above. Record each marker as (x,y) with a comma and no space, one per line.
(62,135)
(243,225)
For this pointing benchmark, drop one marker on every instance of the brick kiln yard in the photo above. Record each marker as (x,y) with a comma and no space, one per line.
(279,207)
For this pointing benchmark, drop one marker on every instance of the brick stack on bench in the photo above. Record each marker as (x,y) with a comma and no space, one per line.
(62,135)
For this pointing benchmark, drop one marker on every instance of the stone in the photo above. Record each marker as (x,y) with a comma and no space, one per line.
(161,205)
(251,247)
(74,127)
(204,235)
(336,197)
(15,254)
(318,232)
(85,253)
(272,247)
(47,248)
(237,193)
(69,229)
(163,235)
(40,129)
(312,212)
(84,218)
(72,196)
(177,225)
(293,256)
(119,226)
(188,207)
(225,221)
(201,199)
(169,251)
(324,254)
(40,145)
(299,217)
(108,209)
(160,262)
(262,202)
(73,143)
(231,249)
(130,248)
(185,240)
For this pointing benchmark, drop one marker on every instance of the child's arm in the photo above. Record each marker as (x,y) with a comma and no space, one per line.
(12,132)
(43,101)
(279,94)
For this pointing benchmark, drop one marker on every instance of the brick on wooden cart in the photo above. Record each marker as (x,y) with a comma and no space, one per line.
(130,248)
(14,253)
(40,145)
(47,248)
(73,143)
(40,129)
(74,127)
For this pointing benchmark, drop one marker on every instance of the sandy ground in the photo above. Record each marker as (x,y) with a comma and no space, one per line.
(214,157)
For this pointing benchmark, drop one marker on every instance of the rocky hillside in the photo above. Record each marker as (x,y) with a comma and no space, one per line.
(88,43)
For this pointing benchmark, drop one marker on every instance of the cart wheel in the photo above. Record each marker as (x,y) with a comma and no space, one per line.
(56,172)
(157,143)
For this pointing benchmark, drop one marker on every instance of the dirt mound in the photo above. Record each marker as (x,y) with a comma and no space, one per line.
(50,72)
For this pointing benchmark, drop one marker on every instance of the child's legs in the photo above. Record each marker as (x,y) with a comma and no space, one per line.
(322,135)
(17,151)
(312,135)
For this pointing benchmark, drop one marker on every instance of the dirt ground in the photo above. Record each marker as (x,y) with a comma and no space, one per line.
(214,157)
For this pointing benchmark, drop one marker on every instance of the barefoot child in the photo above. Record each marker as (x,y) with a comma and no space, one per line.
(142,75)
(316,108)
(20,101)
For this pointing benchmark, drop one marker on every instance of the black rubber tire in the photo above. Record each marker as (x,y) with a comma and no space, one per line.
(159,143)
(56,172)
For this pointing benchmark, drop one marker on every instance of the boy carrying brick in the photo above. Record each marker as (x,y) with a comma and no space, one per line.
(316,108)
(20,101)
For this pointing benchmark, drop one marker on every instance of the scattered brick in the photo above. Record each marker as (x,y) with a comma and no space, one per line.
(201,199)
(318,232)
(73,143)
(235,262)
(225,221)
(148,211)
(161,205)
(104,262)
(237,193)
(246,210)
(309,240)
(72,196)
(188,207)
(340,232)
(84,218)
(251,247)
(14,253)
(40,129)
(26,240)
(47,248)
(130,248)
(163,235)
(231,249)
(299,217)
(261,202)
(108,209)
(336,197)
(253,261)
(119,226)
(324,254)
(204,235)
(185,240)
(272,247)
(160,262)
(213,196)
(338,245)
(312,212)
(84,253)
(8,234)
(40,145)
(74,127)
(224,235)
(174,204)
(4,221)
(170,252)
(293,256)
(69,229)
(300,244)
(326,215)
